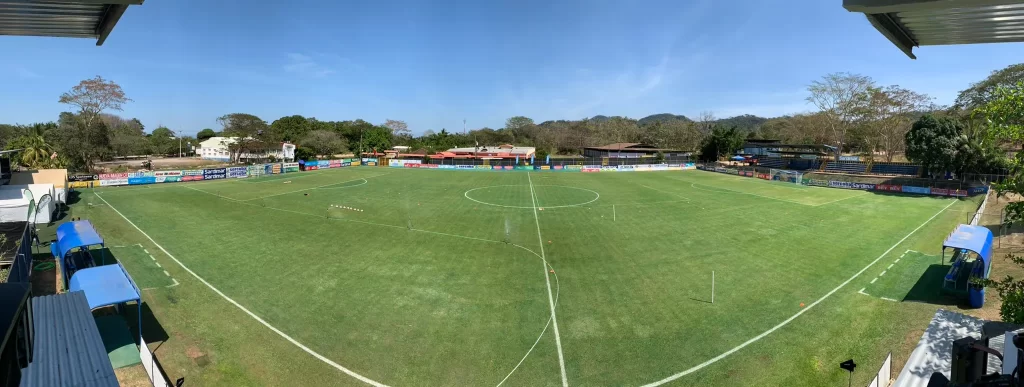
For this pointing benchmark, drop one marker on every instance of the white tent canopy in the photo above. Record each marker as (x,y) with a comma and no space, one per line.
(15,199)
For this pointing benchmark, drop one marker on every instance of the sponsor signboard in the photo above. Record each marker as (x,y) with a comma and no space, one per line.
(169,179)
(508,167)
(446,166)
(83,177)
(917,190)
(545,167)
(80,184)
(216,173)
(557,167)
(523,168)
(141,180)
(609,169)
(978,190)
(465,167)
(276,168)
(642,167)
(585,169)
(113,182)
(355,163)
(889,187)
(817,183)
(323,164)
(141,174)
(576,167)
(291,167)
(864,186)
(940,191)
(167,173)
(483,167)
(764,176)
(428,166)
(334,163)
(625,168)
(659,167)
(958,192)
(236,172)
(192,175)
(112,176)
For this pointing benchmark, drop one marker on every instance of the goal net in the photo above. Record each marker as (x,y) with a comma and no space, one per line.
(786,175)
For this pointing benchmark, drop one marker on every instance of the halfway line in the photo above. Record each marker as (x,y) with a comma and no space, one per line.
(551,301)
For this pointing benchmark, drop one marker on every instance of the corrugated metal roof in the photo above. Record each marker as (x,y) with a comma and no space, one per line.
(914,23)
(67,347)
(71,18)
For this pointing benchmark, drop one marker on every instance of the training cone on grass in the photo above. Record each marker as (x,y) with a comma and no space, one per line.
(552,271)
(801,305)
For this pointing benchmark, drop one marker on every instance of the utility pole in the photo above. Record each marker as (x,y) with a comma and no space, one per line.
(463,126)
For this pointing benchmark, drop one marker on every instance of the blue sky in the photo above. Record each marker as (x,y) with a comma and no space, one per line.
(435,63)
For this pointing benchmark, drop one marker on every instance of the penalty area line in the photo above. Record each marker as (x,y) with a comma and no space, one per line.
(798,313)
(243,309)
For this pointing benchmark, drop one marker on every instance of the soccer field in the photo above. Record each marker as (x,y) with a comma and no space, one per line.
(430,277)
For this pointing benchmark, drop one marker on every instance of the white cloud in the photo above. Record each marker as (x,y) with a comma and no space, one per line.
(305,65)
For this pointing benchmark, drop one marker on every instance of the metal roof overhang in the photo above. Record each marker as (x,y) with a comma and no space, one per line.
(915,23)
(71,18)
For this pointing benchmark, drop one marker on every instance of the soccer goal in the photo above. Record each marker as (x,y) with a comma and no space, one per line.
(786,175)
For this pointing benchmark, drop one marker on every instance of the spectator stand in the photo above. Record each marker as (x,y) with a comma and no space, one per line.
(971,259)
(72,248)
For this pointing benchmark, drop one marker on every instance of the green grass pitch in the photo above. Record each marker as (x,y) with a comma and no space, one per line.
(428,277)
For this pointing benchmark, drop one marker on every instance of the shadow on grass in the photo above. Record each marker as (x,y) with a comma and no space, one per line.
(928,289)
(152,331)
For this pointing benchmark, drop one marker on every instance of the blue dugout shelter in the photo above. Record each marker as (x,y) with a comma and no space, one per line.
(108,285)
(70,236)
(972,258)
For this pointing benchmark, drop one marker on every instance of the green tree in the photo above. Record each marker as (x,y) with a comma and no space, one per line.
(980,94)
(935,143)
(78,141)
(292,128)
(842,99)
(163,141)
(722,142)
(205,134)
(378,138)
(92,97)
(34,150)
(323,143)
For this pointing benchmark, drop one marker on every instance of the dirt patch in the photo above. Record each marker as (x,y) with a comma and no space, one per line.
(197,356)
(134,376)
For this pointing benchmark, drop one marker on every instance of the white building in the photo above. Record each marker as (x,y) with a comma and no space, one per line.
(217,148)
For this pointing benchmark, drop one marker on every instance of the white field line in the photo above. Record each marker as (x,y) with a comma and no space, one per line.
(211,193)
(897,260)
(319,186)
(890,266)
(557,285)
(166,273)
(667,192)
(239,306)
(839,200)
(157,264)
(175,283)
(122,188)
(883,273)
(304,174)
(798,313)
(888,299)
(873,281)
(551,299)
(861,291)
(347,186)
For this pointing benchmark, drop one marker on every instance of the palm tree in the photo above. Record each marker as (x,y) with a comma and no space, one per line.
(35,151)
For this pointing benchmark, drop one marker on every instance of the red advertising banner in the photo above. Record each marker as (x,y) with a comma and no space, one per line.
(889,187)
(192,178)
(940,191)
(112,176)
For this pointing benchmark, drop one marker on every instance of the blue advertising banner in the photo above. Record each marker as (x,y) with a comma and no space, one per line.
(917,190)
(465,167)
(977,190)
(141,180)
(447,167)
(238,172)
(323,164)
(216,173)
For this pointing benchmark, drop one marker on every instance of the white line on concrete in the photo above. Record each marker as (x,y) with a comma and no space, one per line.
(551,299)
(251,314)
(798,313)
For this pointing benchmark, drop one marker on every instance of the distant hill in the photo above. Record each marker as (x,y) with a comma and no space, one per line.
(600,118)
(745,123)
(663,117)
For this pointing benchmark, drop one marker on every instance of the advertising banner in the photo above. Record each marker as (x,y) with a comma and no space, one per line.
(817,183)
(83,177)
(276,168)
(216,173)
(586,169)
(675,168)
(625,168)
(864,186)
(483,167)
(446,166)
(80,184)
(141,174)
(609,169)
(113,176)
(508,168)
(465,167)
(545,167)
(355,163)
(113,182)
(192,175)
(236,172)
(958,192)
(642,167)
(689,166)
(167,173)
(889,187)
(659,167)
(168,179)
(732,171)
(940,191)
(576,167)
(558,167)
(764,176)
(523,168)
(428,166)
(334,163)
(590,167)
(917,190)
(977,190)
(141,180)
(323,164)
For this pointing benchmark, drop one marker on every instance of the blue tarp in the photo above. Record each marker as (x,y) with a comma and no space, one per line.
(71,235)
(974,238)
(105,285)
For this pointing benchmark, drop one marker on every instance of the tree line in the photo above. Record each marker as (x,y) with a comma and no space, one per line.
(854,114)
